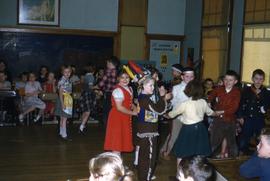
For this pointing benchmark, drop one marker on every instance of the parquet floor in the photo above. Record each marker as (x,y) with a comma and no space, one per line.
(35,153)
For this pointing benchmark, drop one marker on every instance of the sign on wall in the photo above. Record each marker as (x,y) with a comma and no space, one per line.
(165,53)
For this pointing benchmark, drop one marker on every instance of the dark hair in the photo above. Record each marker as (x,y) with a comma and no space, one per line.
(120,72)
(232,73)
(258,72)
(115,61)
(198,168)
(194,89)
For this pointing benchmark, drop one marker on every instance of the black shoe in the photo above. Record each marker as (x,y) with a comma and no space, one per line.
(66,138)
(82,132)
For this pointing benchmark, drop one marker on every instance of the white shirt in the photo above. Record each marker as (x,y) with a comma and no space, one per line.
(178,94)
(118,93)
(192,111)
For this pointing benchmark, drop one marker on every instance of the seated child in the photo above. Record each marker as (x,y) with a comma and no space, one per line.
(4,84)
(20,84)
(195,168)
(258,165)
(108,166)
(31,100)
(50,87)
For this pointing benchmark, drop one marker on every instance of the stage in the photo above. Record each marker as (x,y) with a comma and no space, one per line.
(35,152)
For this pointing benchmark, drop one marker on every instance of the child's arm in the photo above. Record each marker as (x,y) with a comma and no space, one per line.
(121,108)
(179,109)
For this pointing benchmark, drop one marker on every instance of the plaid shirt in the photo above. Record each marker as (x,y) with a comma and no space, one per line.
(108,81)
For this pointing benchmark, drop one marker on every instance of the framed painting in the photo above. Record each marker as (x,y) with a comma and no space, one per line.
(39,12)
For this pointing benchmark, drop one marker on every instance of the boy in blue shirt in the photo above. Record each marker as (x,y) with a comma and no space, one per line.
(258,165)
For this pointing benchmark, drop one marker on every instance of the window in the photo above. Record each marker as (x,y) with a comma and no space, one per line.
(256,40)
(215,35)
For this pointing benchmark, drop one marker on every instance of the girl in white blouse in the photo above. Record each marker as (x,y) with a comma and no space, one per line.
(193,137)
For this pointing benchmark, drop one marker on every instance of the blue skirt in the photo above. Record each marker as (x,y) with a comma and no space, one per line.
(192,140)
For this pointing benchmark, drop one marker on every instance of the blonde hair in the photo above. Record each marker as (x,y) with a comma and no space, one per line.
(110,166)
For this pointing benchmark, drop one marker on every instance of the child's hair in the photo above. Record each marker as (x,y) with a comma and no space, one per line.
(115,61)
(65,67)
(208,80)
(266,132)
(194,89)
(31,73)
(232,73)
(120,72)
(109,165)
(258,72)
(146,80)
(197,168)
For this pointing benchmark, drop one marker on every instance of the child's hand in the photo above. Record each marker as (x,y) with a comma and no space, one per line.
(218,113)
(241,121)
(134,112)
(166,116)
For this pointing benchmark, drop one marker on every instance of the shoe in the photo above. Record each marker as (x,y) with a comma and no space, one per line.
(82,132)
(153,177)
(21,118)
(66,138)
(163,156)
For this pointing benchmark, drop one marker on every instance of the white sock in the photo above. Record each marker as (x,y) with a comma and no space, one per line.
(38,116)
(64,132)
(81,127)
(61,131)
(136,159)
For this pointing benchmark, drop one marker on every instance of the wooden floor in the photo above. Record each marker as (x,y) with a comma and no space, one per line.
(36,153)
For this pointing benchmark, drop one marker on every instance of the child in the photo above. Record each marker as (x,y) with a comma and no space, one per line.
(107,84)
(193,136)
(74,78)
(87,101)
(195,168)
(4,84)
(178,97)
(20,84)
(43,74)
(176,74)
(226,98)
(258,165)
(147,128)
(31,100)
(119,129)
(50,87)
(108,167)
(64,102)
(253,106)
(208,86)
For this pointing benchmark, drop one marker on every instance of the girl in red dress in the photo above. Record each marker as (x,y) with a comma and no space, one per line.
(119,128)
